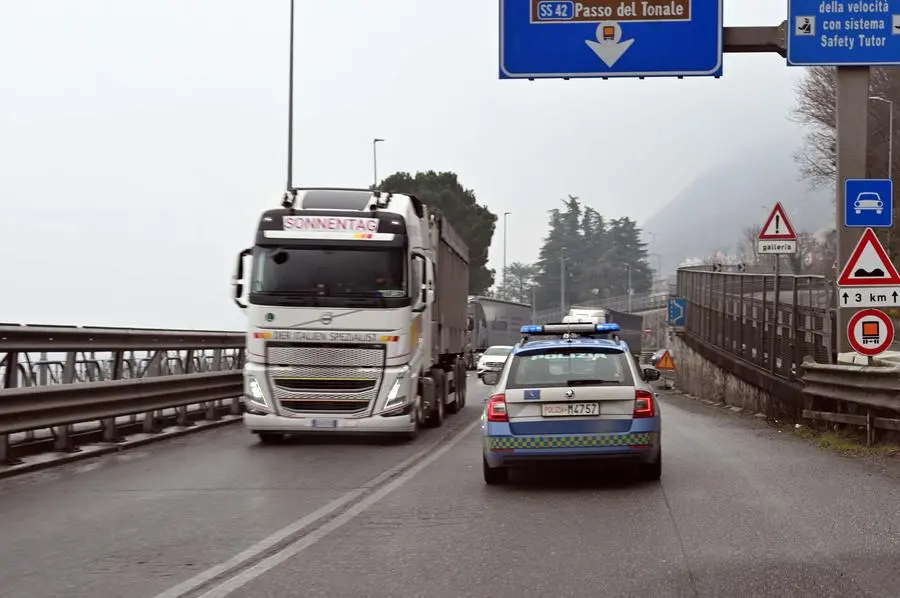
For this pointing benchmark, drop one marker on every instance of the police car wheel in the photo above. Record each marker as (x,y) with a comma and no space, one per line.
(493,475)
(270,437)
(652,472)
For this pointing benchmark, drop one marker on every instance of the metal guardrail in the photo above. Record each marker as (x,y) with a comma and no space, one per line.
(62,385)
(850,389)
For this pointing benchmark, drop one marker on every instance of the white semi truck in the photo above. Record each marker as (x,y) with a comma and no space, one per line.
(356,309)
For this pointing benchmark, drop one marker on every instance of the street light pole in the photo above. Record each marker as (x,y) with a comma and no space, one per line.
(657,275)
(290,144)
(375,162)
(503,279)
(629,288)
(562,284)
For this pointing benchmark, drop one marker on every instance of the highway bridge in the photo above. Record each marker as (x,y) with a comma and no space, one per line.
(126,472)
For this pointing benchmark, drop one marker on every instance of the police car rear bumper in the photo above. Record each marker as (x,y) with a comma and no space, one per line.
(502,448)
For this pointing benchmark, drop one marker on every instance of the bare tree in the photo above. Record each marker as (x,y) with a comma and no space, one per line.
(747,246)
(816,96)
(815,108)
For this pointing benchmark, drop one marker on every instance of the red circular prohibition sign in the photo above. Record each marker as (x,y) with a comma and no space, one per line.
(872,349)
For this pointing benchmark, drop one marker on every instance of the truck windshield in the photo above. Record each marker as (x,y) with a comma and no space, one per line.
(337,272)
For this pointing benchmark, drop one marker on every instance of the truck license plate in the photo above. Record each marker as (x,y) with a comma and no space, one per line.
(570,409)
(324,423)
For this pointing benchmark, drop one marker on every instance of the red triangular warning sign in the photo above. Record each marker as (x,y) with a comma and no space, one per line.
(777,227)
(666,362)
(869,265)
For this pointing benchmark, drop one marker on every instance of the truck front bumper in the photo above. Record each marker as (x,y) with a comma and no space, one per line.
(325,424)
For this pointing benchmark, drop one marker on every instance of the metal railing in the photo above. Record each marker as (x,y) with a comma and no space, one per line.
(770,322)
(778,335)
(64,385)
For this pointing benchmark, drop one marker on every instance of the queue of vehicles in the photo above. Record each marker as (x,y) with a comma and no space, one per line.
(359,322)
(492,322)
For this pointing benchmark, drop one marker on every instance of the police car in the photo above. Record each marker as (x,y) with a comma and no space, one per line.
(566,392)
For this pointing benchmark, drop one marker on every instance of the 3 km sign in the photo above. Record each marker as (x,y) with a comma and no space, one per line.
(869,279)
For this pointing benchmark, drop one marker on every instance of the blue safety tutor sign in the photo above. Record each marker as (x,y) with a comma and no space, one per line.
(843,32)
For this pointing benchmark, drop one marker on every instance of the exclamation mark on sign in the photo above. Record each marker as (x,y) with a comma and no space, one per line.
(777,223)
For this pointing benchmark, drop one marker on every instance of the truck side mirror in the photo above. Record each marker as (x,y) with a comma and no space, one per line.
(238,281)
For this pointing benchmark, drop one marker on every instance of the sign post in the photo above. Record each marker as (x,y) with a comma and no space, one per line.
(563,39)
(852,36)
(776,237)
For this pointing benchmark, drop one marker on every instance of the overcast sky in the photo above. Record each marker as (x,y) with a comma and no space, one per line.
(140,139)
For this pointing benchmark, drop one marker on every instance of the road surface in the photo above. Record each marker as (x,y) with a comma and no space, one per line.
(742,510)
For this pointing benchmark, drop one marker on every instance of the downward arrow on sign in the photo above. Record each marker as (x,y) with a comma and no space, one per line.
(609,53)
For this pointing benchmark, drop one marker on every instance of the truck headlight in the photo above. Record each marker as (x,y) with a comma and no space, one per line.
(255,392)
(396,396)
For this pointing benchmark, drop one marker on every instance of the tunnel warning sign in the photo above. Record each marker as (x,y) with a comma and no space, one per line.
(777,234)
(598,11)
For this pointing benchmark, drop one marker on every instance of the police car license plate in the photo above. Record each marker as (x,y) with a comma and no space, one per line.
(569,409)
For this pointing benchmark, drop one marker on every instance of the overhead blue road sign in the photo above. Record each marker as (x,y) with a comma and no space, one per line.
(677,311)
(869,203)
(843,32)
(553,39)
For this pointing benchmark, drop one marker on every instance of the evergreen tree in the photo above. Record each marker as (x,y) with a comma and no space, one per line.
(598,256)
(475,223)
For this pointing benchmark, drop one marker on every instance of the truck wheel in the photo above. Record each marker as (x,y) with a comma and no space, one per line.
(435,419)
(462,388)
(458,399)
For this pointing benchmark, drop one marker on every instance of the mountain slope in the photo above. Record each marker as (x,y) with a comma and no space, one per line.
(711,213)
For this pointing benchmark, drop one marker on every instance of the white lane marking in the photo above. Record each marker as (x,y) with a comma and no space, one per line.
(267,543)
(291,550)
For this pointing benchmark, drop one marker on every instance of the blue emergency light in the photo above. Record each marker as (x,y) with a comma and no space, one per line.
(573,328)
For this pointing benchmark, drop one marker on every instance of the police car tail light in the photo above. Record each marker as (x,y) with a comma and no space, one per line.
(643,404)
(497,409)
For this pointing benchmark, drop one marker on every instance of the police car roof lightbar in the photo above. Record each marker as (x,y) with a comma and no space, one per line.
(572,328)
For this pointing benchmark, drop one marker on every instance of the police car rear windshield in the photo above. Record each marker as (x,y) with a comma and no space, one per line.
(573,366)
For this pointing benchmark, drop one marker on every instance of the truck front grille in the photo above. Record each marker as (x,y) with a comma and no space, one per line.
(304,406)
(325,384)
(366,356)
(312,378)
